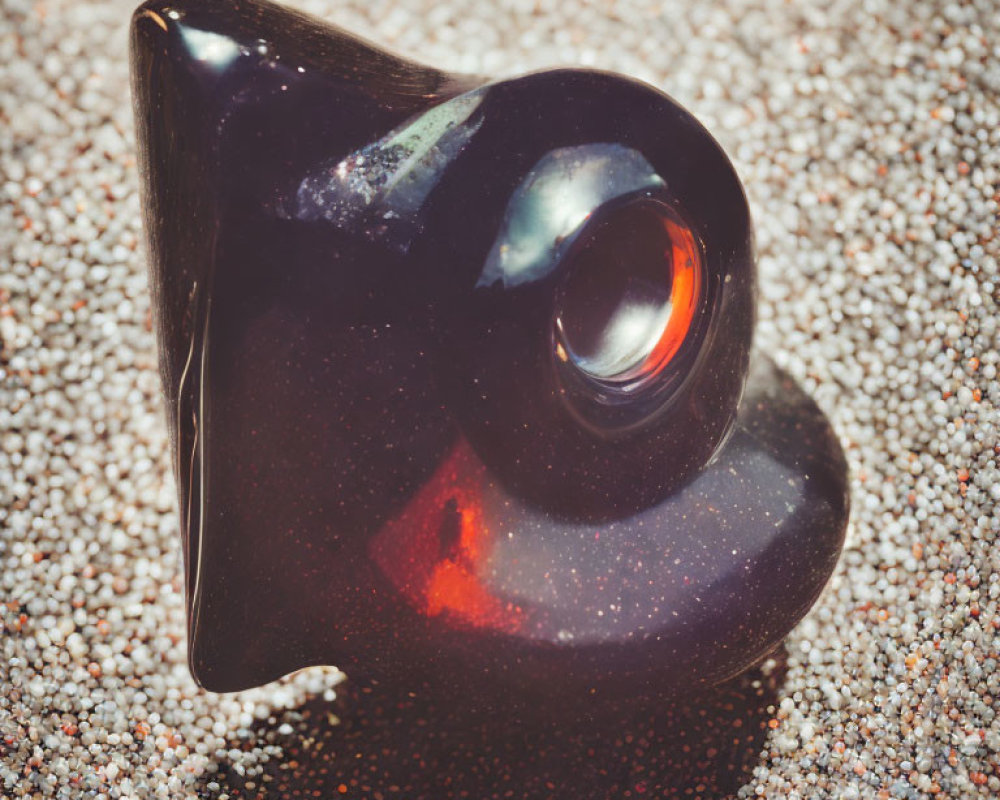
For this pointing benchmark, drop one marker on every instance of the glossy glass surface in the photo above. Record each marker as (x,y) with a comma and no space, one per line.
(454,373)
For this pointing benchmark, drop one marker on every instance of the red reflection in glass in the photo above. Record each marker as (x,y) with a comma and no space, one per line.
(437,550)
(685,294)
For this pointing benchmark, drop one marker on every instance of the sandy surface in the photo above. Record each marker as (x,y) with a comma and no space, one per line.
(868,136)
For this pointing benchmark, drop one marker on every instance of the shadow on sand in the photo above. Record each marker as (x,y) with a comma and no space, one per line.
(422,748)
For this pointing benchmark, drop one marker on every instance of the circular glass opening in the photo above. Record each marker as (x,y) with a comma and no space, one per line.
(627,304)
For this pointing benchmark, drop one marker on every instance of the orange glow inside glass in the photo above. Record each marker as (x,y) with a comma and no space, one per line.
(438,549)
(634,288)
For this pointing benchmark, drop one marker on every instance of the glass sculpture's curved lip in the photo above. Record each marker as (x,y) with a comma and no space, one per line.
(647,592)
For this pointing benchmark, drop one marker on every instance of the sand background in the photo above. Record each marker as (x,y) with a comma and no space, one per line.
(868,137)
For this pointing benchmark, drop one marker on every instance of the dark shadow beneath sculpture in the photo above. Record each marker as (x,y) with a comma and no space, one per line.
(374,745)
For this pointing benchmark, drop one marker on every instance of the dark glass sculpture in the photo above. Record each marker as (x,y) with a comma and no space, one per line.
(459,373)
